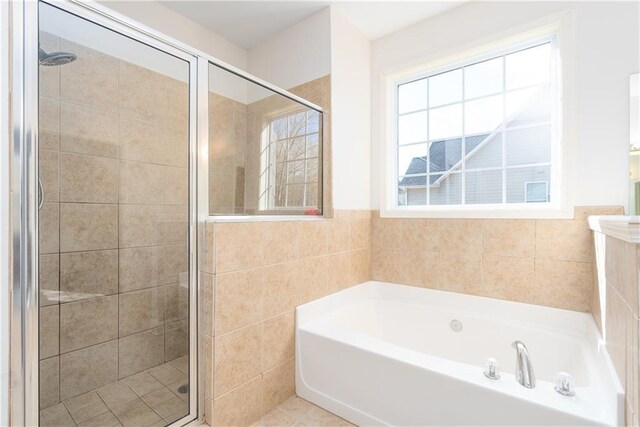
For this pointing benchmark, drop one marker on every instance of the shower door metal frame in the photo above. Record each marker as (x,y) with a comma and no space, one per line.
(24,362)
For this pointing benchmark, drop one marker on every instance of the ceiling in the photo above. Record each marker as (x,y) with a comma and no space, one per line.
(247,23)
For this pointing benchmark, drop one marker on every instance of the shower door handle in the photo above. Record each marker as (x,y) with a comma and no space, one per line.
(40,194)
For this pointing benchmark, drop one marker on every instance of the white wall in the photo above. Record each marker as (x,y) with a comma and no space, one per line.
(295,55)
(606,46)
(351,112)
(158,17)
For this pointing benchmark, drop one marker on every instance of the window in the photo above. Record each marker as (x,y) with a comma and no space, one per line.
(290,162)
(478,134)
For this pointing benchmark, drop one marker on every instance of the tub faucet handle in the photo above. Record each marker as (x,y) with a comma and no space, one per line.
(492,369)
(524,368)
(565,384)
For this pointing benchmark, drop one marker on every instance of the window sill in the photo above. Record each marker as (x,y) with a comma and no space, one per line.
(264,218)
(480,212)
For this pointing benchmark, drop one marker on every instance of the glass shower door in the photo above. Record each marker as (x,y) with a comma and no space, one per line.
(114,281)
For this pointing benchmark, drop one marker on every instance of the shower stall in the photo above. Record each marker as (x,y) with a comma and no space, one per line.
(110,186)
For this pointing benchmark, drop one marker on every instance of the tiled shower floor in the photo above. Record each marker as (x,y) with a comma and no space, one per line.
(149,398)
(297,412)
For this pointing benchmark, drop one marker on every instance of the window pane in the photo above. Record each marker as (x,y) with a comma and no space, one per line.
(296,172)
(471,142)
(412,190)
(445,189)
(313,121)
(529,145)
(297,124)
(483,115)
(295,195)
(412,96)
(312,170)
(529,106)
(295,148)
(412,159)
(445,88)
(312,145)
(312,195)
(278,129)
(444,155)
(529,67)
(445,122)
(488,153)
(412,128)
(518,178)
(484,78)
(483,187)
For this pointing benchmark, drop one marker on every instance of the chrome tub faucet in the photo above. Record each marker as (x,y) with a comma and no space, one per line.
(524,368)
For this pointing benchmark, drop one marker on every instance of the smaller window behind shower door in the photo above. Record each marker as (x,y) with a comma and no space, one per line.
(114,263)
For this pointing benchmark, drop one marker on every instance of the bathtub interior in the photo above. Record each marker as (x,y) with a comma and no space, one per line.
(425,328)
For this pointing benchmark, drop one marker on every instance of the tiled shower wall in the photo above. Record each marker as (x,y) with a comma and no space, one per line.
(618,283)
(113,260)
(545,262)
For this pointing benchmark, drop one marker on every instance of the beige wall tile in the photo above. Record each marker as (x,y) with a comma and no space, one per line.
(563,284)
(621,268)
(509,237)
(139,268)
(508,278)
(176,302)
(238,246)
(631,358)
(338,271)
(140,351)
(176,340)
(407,267)
(88,369)
(175,264)
(49,382)
(49,228)
(239,299)
(360,266)
(140,310)
(88,322)
(49,174)
(49,274)
(141,141)
(461,272)
(278,342)
(141,183)
(88,227)
(461,235)
(49,77)
(176,142)
(88,131)
(49,117)
(206,303)
(339,231)
(207,344)
(241,407)
(142,93)
(236,358)
(311,279)
(88,179)
(176,186)
(616,333)
(313,238)
(360,229)
(91,80)
(280,242)
(564,240)
(279,293)
(278,385)
(89,274)
(139,225)
(418,234)
(49,331)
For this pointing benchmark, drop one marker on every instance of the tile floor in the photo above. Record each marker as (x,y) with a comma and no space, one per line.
(149,398)
(297,412)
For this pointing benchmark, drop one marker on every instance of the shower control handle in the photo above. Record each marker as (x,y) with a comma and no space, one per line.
(40,194)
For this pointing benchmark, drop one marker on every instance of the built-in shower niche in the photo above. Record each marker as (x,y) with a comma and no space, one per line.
(113,265)
(265,150)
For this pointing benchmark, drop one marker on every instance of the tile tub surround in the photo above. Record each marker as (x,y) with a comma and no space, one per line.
(113,163)
(545,262)
(262,271)
(616,307)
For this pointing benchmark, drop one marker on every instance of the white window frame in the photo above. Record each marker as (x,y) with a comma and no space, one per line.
(560,206)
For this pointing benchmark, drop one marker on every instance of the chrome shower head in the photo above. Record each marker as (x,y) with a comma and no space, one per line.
(55,58)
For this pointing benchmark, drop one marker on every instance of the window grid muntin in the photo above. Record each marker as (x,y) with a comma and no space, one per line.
(502,128)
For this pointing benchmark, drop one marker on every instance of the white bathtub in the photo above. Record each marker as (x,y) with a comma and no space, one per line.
(384,354)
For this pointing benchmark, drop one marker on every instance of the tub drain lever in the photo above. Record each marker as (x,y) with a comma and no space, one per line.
(492,369)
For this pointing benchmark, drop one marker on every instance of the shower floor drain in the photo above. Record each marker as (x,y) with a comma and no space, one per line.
(184,388)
